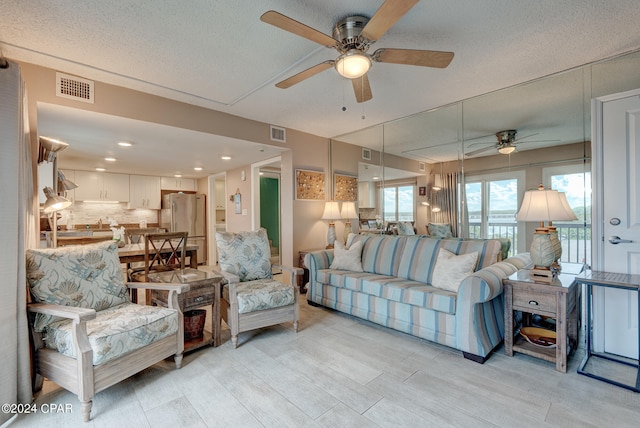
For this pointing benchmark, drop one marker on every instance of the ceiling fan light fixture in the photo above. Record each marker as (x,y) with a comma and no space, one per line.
(506,149)
(353,64)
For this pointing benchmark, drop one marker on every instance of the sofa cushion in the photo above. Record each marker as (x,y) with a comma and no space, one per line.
(261,294)
(451,269)
(347,258)
(381,254)
(391,288)
(405,228)
(85,276)
(418,258)
(246,254)
(136,326)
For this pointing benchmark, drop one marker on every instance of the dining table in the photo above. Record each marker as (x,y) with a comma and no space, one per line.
(131,253)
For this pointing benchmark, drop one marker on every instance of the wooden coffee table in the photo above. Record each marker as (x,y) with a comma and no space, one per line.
(204,290)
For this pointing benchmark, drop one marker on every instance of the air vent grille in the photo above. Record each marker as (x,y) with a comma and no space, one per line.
(366,154)
(74,88)
(278,134)
(421,166)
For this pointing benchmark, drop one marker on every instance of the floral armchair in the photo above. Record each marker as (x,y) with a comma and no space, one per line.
(252,298)
(87,333)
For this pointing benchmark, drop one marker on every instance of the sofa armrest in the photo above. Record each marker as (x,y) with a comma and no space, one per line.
(318,259)
(485,284)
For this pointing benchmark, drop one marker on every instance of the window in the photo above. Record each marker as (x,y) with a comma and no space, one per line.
(575,236)
(399,203)
(492,204)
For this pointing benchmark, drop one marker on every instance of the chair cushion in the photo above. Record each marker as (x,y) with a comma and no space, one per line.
(86,276)
(439,230)
(261,294)
(246,254)
(115,331)
(405,228)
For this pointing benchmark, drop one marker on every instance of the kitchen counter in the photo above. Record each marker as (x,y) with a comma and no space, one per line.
(81,240)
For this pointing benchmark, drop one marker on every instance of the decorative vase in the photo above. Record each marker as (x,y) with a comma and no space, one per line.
(542,252)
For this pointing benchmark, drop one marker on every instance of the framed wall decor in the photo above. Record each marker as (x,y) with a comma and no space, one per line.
(422,191)
(310,185)
(346,188)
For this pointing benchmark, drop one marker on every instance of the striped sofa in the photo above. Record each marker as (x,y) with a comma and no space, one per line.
(394,290)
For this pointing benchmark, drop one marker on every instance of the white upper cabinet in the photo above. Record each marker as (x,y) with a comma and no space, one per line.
(101,186)
(366,194)
(220,198)
(144,192)
(172,183)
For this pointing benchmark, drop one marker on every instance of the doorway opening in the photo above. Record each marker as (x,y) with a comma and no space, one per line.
(267,185)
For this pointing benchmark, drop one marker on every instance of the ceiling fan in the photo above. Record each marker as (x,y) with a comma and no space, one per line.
(352,37)
(506,143)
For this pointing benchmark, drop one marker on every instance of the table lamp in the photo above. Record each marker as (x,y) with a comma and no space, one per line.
(348,212)
(331,213)
(544,205)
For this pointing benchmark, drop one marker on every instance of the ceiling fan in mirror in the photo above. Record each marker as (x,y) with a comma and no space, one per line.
(506,143)
(352,38)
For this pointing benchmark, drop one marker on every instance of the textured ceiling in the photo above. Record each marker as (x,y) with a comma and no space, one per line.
(219,55)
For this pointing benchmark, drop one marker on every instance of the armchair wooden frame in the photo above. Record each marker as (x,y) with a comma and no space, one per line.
(79,375)
(238,322)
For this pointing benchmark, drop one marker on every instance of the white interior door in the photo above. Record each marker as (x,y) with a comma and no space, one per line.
(618,144)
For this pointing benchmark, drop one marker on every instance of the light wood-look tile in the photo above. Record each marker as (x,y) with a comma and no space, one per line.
(339,371)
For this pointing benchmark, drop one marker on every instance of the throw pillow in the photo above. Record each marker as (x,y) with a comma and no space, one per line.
(439,230)
(405,228)
(451,269)
(347,258)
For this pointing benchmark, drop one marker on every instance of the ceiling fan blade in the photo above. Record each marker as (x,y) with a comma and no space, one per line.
(303,75)
(479,151)
(384,18)
(361,88)
(438,59)
(291,25)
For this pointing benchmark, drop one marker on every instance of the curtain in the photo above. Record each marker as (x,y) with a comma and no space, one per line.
(447,200)
(17,232)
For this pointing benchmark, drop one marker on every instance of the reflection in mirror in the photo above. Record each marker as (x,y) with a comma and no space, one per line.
(548,123)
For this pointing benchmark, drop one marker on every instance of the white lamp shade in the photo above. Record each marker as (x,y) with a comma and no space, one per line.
(544,205)
(48,149)
(331,211)
(570,214)
(54,202)
(348,210)
(353,64)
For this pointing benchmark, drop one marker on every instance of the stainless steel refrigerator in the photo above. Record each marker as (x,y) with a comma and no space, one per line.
(183,212)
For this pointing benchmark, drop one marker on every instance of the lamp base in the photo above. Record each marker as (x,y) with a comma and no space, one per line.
(331,236)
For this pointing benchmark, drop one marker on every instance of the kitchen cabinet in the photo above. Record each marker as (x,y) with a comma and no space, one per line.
(101,186)
(144,192)
(366,194)
(220,197)
(172,183)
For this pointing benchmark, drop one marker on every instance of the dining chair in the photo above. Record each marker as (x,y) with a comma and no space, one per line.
(162,252)
(251,297)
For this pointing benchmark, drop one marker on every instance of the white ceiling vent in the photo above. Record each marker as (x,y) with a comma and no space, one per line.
(366,154)
(421,166)
(74,88)
(278,134)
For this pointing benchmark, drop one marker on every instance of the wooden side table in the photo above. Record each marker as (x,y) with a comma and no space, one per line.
(559,300)
(205,290)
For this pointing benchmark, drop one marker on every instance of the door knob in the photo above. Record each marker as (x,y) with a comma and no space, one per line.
(617,240)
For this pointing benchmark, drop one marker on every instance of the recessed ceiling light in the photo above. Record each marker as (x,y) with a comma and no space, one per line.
(225,157)
(375,177)
(110,159)
(125,144)
(197,168)
(177,175)
(100,169)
